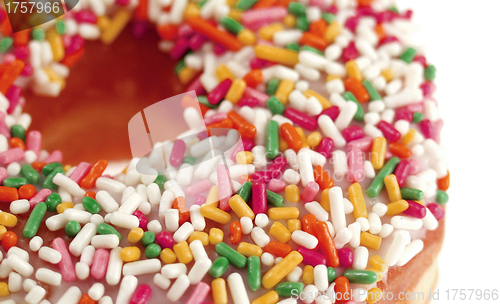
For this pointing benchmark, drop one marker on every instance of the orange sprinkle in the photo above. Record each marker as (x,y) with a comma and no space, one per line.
(8,194)
(21,38)
(71,59)
(264,4)
(9,239)
(253,78)
(90,193)
(27,191)
(213,33)
(180,204)
(88,182)
(38,166)
(235,231)
(141,11)
(310,39)
(86,299)
(278,249)
(318,27)
(444,182)
(322,178)
(16,142)
(290,135)
(379,30)
(365,2)
(399,150)
(167,31)
(354,86)
(10,74)
(308,223)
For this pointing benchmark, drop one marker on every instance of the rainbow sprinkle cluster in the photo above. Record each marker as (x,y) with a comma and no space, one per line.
(333,105)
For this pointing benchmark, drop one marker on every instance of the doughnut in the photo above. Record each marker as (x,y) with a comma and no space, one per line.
(280,152)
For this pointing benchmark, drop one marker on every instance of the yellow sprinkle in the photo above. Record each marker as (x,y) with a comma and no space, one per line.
(223,73)
(247,37)
(231,3)
(186,74)
(212,197)
(216,236)
(192,10)
(67,167)
(267,32)
(308,275)
(396,207)
(63,206)
(388,74)
(281,270)
(130,254)
(374,295)
(369,240)
(294,224)
(292,193)
(219,291)
(103,22)
(353,70)
(4,289)
(244,157)
(235,14)
(183,252)
(271,297)
(409,137)
(283,213)
(199,235)
(135,235)
(332,77)
(56,45)
(322,100)
(283,91)
(53,76)
(332,31)
(248,249)
(276,54)
(236,90)
(283,144)
(324,201)
(377,157)
(358,201)
(289,21)
(280,232)
(378,263)
(240,207)
(118,23)
(215,214)
(167,256)
(302,135)
(379,273)
(392,187)
(2,230)
(8,219)
(313,139)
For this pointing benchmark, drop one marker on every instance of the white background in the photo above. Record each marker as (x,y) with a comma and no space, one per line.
(461,40)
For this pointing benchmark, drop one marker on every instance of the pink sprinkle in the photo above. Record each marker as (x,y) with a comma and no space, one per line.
(333,112)
(13,94)
(34,142)
(402,171)
(428,88)
(22,52)
(415,107)
(239,148)
(415,210)
(11,155)
(165,239)
(28,70)
(312,257)
(355,161)
(180,48)
(437,211)
(197,87)
(139,28)
(326,147)
(352,133)
(248,144)
(143,220)
(200,200)
(427,128)
(277,167)
(276,185)
(300,118)
(351,23)
(365,10)
(85,16)
(403,114)
(346,256)
(199,187)
(80,172)
(75,44)
(217,117)
(199,293)
(387,40)
(40,196)
(388,154)
(385,16)
(389,131)
(225,189)
(257,63)
(66,267)
(414,166)
(202,135)
(123,2)
(256,18)
(4,130)
(219,92)
(350,52)
(9,58)
(407,14)
(3,174)
(259,197)
(219,50)
(310,191)
(196,41)
(141,294)
(264,176)
(362,144)
(177,153)
(99,264)
(248,101)
(185,31)
(421,59)
(332,9)
(261,97)
(55,156)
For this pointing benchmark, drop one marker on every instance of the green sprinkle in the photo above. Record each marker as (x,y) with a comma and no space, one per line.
(104,228)
(272,86)
(374,95)
(430,72)
(254,273)
(160,180)
(412,194)
(245,191)
(234,257)
(302,23)
(360,114)
(408,55)
(231,25)
(297,9)
(52,201)
(203,100)
(189,160)
(274,199)
(148,238)
(48,183)
(243,5)
(152,251)
(289,289)
(34,220)
(332,274)
(30,174)
(38,34)
(202,3)
(328,17)
(14,182)
(48,168)
(275,106)
(292,47)
(272,140)
(179,66)
(441,197)
(91,205)
(5,44)
(72,228)
(18,131)
(219,266)
(360,276)
(394,9)
(417,117)
(378,182)
(61,27)
(311,49)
